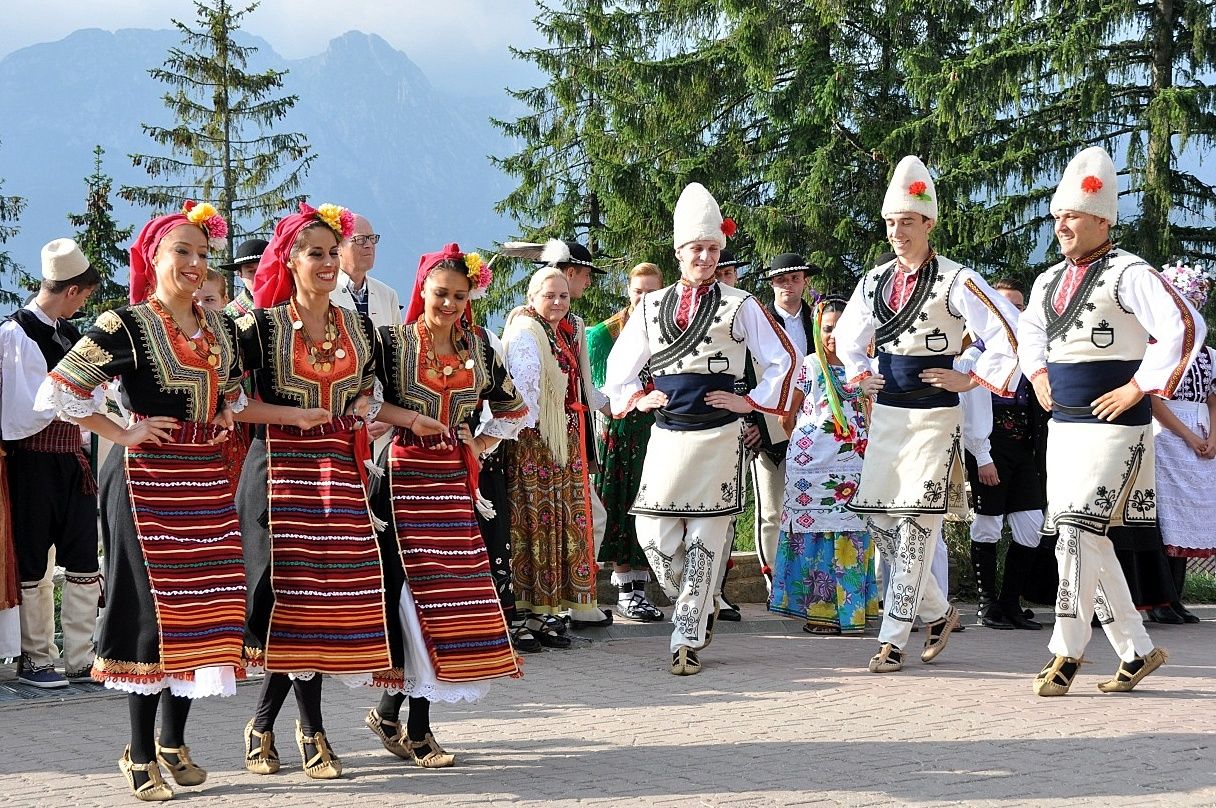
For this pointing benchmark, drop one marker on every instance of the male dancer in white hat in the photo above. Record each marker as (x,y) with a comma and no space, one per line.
(1101,333)
(915,310)
(694,336)
(52,488)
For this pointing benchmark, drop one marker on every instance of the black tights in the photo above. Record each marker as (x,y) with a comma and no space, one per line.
(417,723)
(274,692)
(174,712)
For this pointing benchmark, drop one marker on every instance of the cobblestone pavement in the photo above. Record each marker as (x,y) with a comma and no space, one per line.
(776,718)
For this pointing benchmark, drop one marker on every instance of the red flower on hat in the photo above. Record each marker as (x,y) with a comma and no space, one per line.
(729,227)
(920,189)
(1091,184)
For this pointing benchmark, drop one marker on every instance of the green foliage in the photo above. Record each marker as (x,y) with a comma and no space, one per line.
(223,146)
(100,238)
(10,212)
(794,112)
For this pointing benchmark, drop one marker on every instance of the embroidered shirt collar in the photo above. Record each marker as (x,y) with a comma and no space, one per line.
(1091,257)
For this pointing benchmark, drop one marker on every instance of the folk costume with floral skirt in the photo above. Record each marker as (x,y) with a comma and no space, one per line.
(824,570)
(547,479)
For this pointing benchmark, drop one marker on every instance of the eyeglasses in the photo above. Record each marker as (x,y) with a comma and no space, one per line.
(360,241)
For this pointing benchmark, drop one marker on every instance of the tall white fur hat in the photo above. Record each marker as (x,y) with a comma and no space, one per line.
(62,260)
(1090,185)
(911,190)
(697,217)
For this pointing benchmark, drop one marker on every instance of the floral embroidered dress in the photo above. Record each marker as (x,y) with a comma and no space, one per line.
(824,569)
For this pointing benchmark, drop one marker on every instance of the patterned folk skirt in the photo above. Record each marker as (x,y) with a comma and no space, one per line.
(827,579)
(175,581)
(550,511)
(313,560)
(453,634)
(622,448)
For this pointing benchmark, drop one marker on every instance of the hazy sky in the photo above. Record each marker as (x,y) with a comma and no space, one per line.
(460,44)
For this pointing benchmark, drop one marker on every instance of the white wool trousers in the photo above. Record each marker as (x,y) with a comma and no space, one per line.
(768,490)
(1092,582)
(1024,525)
(910,544)
(687,556)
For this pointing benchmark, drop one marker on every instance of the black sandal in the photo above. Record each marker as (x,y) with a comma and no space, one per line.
(544,634)
(524,640)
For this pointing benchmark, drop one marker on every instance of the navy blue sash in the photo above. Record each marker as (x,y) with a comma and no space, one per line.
(1075,385)
(686,410)
(903,386)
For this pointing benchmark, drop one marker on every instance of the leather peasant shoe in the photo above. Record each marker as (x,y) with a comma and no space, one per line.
(888,659)
(1057,676)
(389,733)
(428,754)
(1129,674)
(684,662)
(155,789)
(322,764)
(185,771)
(938,634)
(260,755)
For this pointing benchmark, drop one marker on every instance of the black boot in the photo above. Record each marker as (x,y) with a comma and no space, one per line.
(1019,563)
(729,611)
(983,561)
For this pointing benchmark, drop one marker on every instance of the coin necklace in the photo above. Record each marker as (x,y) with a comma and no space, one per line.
(321,355)
(209,349)
(434,366)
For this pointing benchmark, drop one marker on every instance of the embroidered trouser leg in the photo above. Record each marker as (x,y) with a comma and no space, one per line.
(81,591)
(909,543)
(686,556)
(1092,582)
(941,560)
(768,489)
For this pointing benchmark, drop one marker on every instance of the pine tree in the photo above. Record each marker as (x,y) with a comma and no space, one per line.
(100,238)
(1041,82)
(222,144)
(10,212)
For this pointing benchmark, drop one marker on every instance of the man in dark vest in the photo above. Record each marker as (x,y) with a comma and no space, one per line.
(788,275)
(53,491)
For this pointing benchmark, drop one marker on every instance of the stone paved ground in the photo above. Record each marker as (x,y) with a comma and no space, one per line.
(776,718)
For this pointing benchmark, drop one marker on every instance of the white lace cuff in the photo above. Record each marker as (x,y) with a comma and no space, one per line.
(65,403)
(373,409)
(241,403)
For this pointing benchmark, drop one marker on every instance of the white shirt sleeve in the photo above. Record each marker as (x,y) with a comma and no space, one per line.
(1032,332)
(776,359)
(22,371)
(628,356)
(992,318)
(1177,329)
(523,363)
(854,332)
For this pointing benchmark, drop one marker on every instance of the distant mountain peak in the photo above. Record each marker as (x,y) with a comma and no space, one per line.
(370,53)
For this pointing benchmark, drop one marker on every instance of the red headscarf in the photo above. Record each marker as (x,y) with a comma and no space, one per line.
(273,284)
(143,273)
(450,252)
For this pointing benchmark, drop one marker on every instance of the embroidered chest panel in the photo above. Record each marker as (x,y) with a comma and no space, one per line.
(1094,325)
(439,398)
(926,324)
(178,369)
(708,345)
(296,380)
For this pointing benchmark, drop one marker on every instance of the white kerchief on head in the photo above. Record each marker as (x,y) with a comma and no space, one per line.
(1090,185)
(911,190)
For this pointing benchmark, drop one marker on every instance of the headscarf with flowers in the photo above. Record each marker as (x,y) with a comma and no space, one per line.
(477,271)
(273,284)
(143,251)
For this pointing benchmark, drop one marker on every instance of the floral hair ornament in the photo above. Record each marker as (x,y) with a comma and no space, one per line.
(729,228)
(480,276)
(339,219)
(920,190)
(1091,184)
(1191,282)
(207,217)
(143,251)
